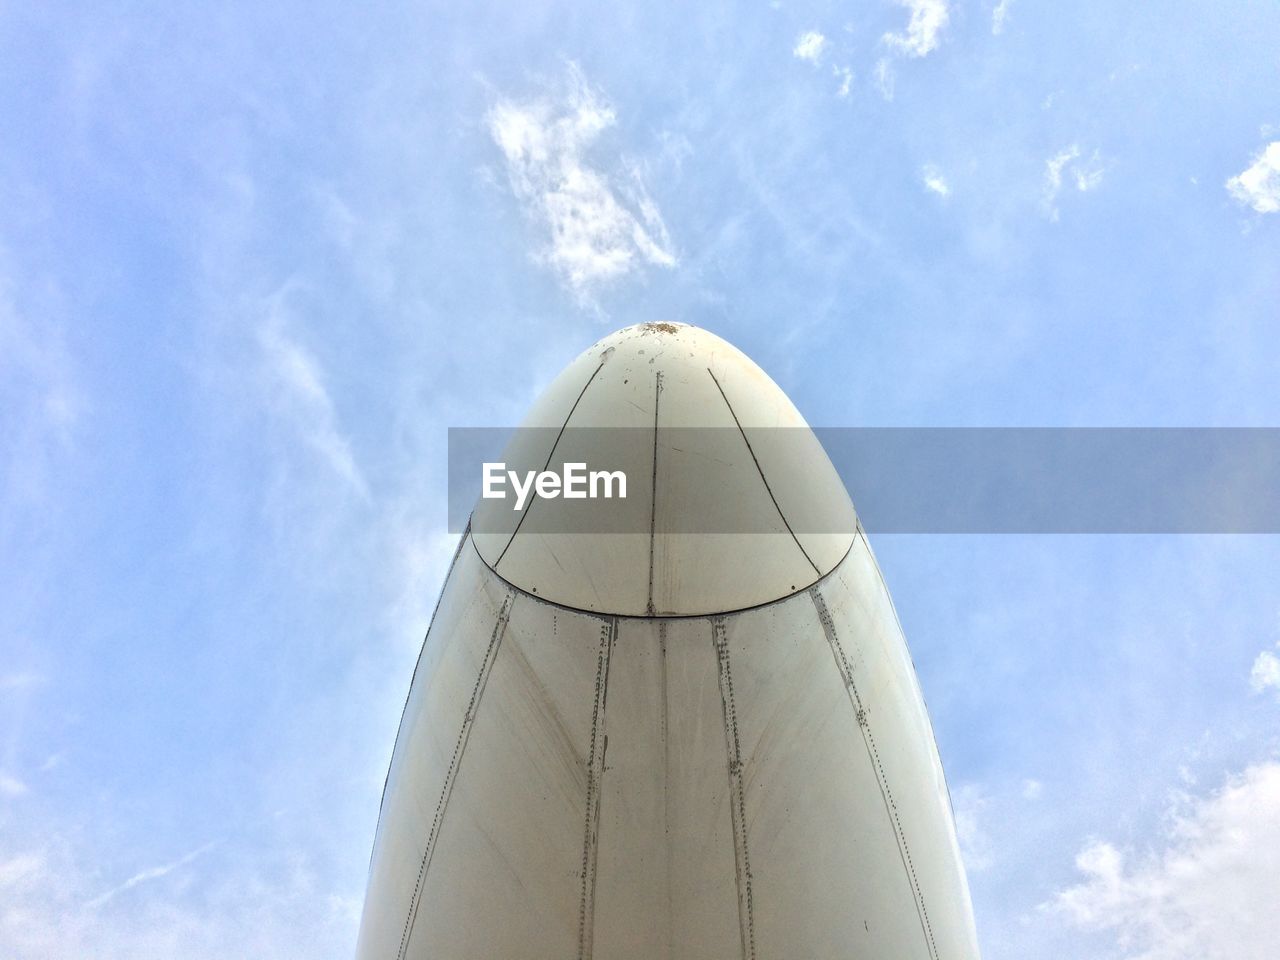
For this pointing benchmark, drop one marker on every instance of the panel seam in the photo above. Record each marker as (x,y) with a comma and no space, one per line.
(468,719)
(462,542)
(669,617)
(763,478)
(547,465)
(873,753)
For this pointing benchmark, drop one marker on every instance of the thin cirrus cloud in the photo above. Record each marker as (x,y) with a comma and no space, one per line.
(999,15)
(593,236)
(1208,894)
(976,850)
(52,908)
(11,786)
(1265,674)
(934,181)
(40,394)
(18,868)
(845,76)
(151,873)
(924,29)
(921,37)
(299,391)
(21,680)
(1069,168)
(1259,185)
(810,46)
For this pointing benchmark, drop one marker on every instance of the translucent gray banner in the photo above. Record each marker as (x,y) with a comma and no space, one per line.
(913,480)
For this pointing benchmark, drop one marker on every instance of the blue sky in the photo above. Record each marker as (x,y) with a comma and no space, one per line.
(254,262)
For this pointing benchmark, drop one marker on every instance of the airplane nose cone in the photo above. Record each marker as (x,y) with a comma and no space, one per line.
(731,501)
(594,777)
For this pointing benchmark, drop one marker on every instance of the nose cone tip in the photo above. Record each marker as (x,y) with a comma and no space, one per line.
(730,502)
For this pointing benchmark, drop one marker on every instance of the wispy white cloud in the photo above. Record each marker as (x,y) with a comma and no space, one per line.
(17,868)
(150,873)
(1032,789)
(810,45)
(845,76)
(11,786)
(934,181)
(1053,175)
(1259,185)
(1207,893)
(1088,177)
(1265,674)
(884,77)
(298,385)
(41,396)
(1070,166)
(928,18)
(594,237)
(21,680)
(262,908)
(999,15)
(35,353)
(969,800)
(921,37)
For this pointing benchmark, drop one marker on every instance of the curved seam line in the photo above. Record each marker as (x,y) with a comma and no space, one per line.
(763,479)
(604,615)
(864,723)
(545,466)
(468,720)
